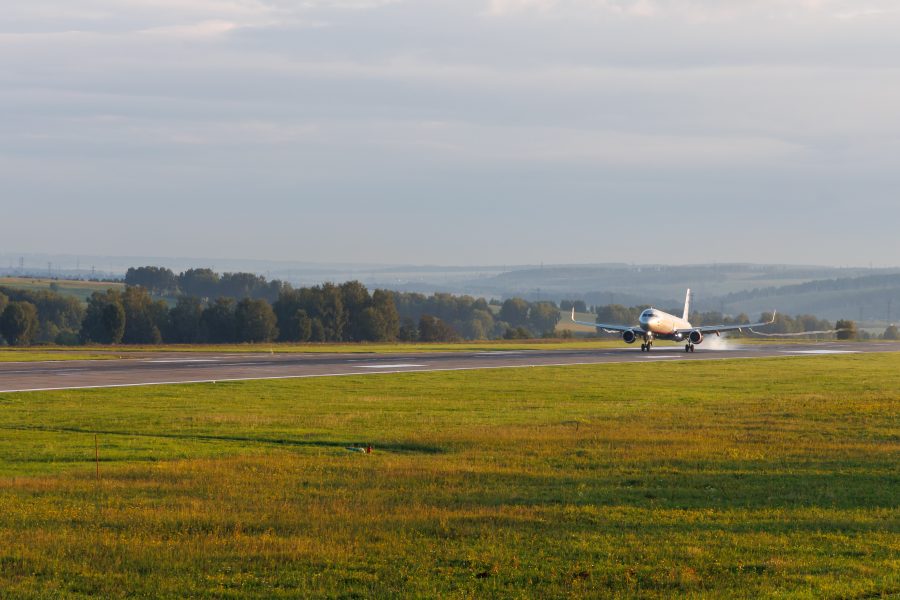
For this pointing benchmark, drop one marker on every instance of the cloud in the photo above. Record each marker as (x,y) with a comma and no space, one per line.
(203,29)
(402,102)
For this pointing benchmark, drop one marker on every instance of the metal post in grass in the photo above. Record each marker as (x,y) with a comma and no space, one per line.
(97,456)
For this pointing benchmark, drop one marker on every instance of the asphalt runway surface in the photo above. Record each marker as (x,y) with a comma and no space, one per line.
(160,368)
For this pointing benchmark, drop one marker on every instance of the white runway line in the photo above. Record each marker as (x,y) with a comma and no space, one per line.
(353,374)
(820,351)
(179,360)
(397,366)
(721,357)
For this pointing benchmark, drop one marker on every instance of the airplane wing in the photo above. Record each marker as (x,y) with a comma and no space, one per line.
(604,326)
(717,329)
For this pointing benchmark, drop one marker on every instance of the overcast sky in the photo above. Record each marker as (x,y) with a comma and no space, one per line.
(453,132)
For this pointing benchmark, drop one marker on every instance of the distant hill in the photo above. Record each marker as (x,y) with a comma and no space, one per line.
(662,285)
(875,295)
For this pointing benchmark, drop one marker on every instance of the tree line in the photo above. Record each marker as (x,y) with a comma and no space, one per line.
(203,283)
(347,312)
(246,308)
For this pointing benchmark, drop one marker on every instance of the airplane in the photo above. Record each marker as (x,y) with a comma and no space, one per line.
(656,324)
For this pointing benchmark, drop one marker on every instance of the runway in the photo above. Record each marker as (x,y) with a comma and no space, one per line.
(183,367)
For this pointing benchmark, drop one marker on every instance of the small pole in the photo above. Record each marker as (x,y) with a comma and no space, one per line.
(97,456)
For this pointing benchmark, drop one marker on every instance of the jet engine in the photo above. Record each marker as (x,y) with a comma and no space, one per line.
(629,337)
(696,337)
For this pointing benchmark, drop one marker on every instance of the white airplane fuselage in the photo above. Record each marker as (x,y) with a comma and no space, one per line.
(660,324)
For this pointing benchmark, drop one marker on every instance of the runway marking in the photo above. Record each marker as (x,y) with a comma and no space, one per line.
(180,360)
(633,360)
(397,366)
(361,373)
(820,351)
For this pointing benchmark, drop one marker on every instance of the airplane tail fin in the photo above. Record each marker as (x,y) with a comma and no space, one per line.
(687,305)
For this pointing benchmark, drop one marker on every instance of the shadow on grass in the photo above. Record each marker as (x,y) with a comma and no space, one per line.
(381,446)
(715,487)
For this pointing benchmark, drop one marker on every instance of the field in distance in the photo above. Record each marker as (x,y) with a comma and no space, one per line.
(80,289)
(748,479)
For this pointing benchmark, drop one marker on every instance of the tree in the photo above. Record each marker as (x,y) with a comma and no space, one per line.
(19,323)
(145,319)
(217,322)
(57,314)
(331,311)
(317,331)
(158,280)
(480,325)
(383,303)
(616,314)
(518,333)
(543,317)
(371,325)
(515,312)
(203,283)
(432,329)
(184,319)
(4,300)
(891,333)
(408,331)
(304,326)
(255,321)
(242,285)
(355,300)
(289,308)
(846,330)
(104,321)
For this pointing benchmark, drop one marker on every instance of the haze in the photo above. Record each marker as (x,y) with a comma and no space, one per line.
(458,132)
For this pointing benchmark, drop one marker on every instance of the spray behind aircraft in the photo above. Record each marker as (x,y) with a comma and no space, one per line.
(657,324)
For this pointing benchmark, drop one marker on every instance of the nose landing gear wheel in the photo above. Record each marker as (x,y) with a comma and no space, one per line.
(643,347)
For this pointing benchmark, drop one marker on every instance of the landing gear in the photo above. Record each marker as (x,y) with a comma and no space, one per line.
(645,347)
(689,348)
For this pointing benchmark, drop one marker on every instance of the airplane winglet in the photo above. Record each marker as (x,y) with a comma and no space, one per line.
(573,314)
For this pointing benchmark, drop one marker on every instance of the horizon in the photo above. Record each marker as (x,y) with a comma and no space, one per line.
(38,261)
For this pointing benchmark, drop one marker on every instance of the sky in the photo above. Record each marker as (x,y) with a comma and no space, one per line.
(453,132)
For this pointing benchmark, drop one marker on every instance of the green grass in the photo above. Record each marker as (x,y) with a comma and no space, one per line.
(32,355)
(349,347)
(80,289)
(774,478)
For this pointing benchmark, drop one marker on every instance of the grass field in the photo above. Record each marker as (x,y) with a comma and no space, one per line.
(327,348)
(80,289)
(33,355)
(774,478)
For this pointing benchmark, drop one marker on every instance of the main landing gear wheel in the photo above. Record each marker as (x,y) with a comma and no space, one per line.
(689,348)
